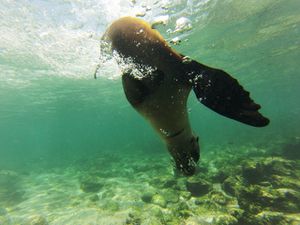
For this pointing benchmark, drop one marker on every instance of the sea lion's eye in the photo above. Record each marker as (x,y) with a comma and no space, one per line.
(194,139)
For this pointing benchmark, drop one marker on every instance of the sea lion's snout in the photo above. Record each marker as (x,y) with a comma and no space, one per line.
(187,167)
(186,156)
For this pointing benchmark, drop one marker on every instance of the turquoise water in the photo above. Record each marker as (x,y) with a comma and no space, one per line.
(60,126)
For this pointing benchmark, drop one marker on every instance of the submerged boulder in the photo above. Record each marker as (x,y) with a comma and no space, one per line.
(211,219)
(89,185)
(291,149)
(288,200)
(170,183)
(159,200)
(218,197)
(171,196)
(231,186)
(197,186)
(253,172)
(225,220)
(268,217)
(220,176)
(147,197)
(37,220)
(11,190)
(262,170)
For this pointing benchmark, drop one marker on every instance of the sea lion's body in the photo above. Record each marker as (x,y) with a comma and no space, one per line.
(161,95)
(166,108)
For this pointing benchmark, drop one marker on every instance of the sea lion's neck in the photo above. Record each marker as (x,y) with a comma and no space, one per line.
(179,138)
(184,149)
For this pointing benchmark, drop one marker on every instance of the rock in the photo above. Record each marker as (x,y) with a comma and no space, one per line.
(94,198)
(290,194)
(254,197)
(279,166)
(155,210)
(197,186)
(171,196)
(112,206)
(184,213)
(196,220)
(267,217)
(186,194)
(156,182)
(163,182)
(210,219)
(218,197)
(181,184)
(285,182)
(225,220)
(181,210)
(8,177)
(182,206)
(169,183)
(199,202)
(287,200)
(90,186)
(11,190)
(291,150)
(236,211)
(5,220)
(3,211)
(220,176)
(159,200)
(257,198)
(147,197)
(133,219)
(37,220)
(230,186)
(253,172)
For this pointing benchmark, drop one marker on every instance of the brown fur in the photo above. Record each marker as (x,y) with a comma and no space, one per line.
(164,104)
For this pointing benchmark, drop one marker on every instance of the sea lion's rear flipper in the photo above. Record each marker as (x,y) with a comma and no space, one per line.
(222,93)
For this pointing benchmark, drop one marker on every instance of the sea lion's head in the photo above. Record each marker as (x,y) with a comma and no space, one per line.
(186,154)
(134,39)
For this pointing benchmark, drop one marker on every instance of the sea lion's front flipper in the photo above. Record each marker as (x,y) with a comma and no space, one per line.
(222,93)
(137,89)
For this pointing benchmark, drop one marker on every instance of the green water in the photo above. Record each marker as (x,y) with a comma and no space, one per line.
(53,114)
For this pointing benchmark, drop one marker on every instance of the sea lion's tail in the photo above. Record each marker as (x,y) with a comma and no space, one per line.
(223,94)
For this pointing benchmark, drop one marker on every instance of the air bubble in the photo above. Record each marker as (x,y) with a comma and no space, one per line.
(183,24)
(175,41)
(186,60)
(163,20)
(140,11)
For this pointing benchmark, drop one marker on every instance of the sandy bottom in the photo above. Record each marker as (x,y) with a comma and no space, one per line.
(234,185)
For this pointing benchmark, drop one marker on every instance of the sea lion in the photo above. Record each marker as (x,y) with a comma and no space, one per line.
(161,95)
